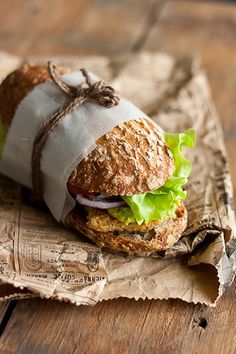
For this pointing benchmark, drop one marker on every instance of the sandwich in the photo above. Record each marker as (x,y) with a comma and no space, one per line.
(129,190)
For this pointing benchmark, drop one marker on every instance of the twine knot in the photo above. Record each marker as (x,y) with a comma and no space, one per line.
(97,91)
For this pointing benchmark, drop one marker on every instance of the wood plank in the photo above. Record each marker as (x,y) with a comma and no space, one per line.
(73,27)
(111,327)
(207,30)
(6,309)
(121,326)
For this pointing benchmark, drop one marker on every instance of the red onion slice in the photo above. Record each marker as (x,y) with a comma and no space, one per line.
(100,204)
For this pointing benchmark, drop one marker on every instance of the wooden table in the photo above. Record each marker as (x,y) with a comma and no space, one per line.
(204,28)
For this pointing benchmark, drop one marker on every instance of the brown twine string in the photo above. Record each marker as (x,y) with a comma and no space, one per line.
(97,91)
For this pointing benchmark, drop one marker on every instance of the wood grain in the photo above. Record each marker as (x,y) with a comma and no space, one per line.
(73,27)
(5,312)
(207,29)
(122,325)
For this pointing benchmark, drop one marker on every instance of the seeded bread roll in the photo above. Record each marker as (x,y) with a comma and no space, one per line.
(130,159)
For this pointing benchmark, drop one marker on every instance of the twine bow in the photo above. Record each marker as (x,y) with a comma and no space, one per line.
(96,91)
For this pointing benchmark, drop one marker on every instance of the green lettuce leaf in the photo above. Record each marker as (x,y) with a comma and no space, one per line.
(123,214)
(175,142)
(160,203)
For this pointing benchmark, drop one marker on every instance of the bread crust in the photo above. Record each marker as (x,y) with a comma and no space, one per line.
(100,220)
(159,238)
(17,85)
(130,159)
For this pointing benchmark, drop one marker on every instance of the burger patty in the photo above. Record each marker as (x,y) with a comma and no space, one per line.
(100,220)
(132,238)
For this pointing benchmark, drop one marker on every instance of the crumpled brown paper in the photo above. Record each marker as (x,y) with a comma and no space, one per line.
(41,258)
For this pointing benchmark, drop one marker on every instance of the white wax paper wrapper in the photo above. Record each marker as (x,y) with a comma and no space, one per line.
(41,258)
(69,143)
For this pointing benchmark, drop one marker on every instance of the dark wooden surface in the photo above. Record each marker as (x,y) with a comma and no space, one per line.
(204,28)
